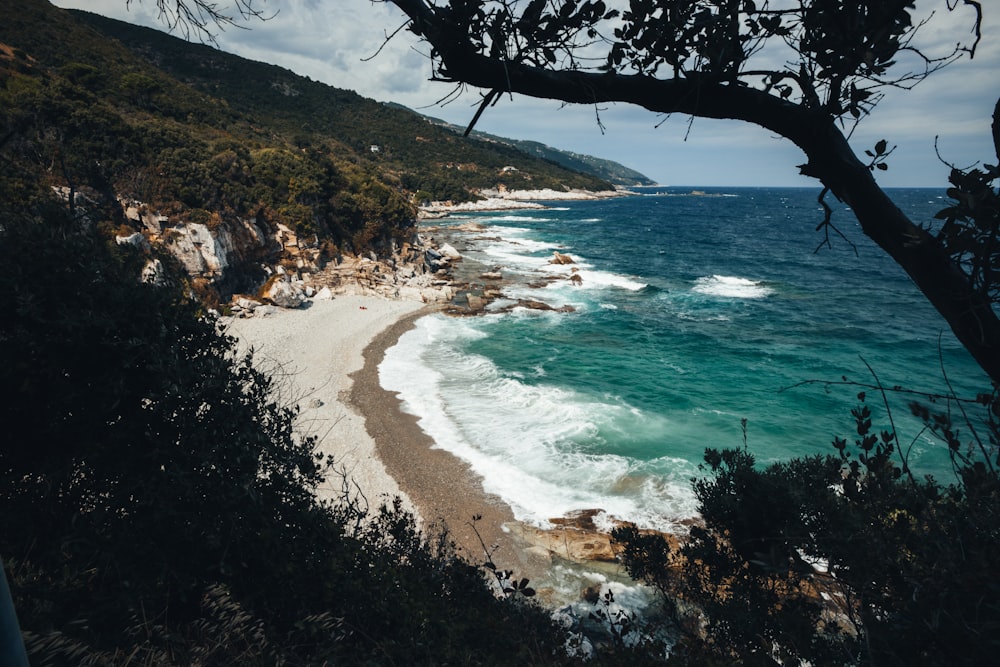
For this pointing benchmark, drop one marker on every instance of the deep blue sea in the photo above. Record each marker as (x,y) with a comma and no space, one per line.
(696,309)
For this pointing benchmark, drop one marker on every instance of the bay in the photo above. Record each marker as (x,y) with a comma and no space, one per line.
(694,310)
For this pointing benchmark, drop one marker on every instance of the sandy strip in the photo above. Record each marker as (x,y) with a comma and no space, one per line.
(312,352)
(447,492)
(330,353)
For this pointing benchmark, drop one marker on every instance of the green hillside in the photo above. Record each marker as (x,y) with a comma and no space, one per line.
(116,110)
(609,170)
(407,148)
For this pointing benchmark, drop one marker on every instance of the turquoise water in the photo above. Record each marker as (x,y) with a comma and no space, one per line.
(694,312)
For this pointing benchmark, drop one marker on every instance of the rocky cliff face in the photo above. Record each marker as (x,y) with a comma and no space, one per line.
(257,263)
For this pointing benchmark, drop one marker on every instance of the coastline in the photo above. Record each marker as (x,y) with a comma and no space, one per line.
(311,353)
(325,359)
(441,485)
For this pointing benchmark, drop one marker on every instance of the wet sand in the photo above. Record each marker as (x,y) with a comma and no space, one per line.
(444,489)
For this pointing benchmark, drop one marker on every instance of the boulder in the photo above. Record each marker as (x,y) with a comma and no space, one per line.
(152,272)
(324,294)
(135,240)
(559,258)
(448,250)
(285,294)
(573,544)
(476,303)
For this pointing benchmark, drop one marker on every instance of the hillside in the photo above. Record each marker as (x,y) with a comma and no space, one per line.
(609,170)
(411,151)
(232,164)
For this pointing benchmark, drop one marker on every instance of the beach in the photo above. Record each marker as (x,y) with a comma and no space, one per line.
(325,358)
(311,353)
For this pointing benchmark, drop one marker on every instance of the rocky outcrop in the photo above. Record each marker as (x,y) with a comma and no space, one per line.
(559,258)
(577,537)
(285,293)
(209,253)
(574,538)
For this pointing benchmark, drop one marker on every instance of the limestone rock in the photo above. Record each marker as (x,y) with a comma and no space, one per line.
(152,273)
(447,250)
(573,544)
(476,303)
(285,294)
(559,258)
(135,240)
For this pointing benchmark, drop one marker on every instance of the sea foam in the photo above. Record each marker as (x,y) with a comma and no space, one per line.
(540,447)
(731,287)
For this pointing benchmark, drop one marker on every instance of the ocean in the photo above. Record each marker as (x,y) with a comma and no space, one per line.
(695,310)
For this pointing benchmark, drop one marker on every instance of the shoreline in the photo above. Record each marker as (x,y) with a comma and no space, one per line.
(311,354)
(325,358)
(442,486)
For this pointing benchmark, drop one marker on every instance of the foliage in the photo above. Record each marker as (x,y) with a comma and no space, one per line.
(844,559)
(306,112)
(803,71)
(158,507)
(971,228)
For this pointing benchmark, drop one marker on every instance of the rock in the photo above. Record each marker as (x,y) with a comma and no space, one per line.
(576,279)
(324,294)
(476,303)
(559,258)
(315,403)
(448,250)
(135,240)
(573,544)
(285,294)
(491,275)
(264,310)
(246,304)
(152,273)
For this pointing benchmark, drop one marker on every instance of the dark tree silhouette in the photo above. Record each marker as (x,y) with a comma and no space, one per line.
(707,58)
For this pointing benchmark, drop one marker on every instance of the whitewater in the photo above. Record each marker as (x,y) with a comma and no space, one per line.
(692,312)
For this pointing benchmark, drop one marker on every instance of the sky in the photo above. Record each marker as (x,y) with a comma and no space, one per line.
(336,42)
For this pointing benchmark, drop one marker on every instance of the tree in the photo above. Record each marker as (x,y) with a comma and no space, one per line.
(715,59)
(839,559)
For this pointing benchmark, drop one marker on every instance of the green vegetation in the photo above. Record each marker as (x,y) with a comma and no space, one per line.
(158,509)
(609,170)
(404,147)
(202,136)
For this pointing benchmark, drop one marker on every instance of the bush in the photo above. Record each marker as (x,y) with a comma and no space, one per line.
(158,508)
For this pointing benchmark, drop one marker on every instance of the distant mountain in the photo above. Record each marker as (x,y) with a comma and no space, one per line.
(609,170)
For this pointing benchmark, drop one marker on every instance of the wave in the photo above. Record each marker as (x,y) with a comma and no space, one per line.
(512,248)
(732,287)
(543,448)
(517,218)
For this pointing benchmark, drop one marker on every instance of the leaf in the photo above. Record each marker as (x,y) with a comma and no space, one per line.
(881,146)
